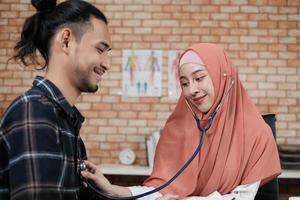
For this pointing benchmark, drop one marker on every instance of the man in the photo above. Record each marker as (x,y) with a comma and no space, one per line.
(40,144)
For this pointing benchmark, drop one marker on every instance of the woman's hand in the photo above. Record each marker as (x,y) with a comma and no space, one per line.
(92,173)
(168,197)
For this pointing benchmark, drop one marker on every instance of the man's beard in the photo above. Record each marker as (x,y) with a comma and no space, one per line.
(86,86)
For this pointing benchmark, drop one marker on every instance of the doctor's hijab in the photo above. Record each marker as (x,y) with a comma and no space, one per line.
(238,149)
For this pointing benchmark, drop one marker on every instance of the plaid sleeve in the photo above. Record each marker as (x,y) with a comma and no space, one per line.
(4,192)
(36,165)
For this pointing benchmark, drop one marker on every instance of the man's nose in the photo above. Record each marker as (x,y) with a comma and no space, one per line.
(105,62)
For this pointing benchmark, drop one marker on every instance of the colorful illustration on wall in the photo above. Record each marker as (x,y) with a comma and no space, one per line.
(142,72)
(173,82)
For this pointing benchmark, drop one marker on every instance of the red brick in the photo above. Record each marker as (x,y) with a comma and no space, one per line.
(123,15)
(169,23)
(25,14)
(132,23)
(10,14)
(127,130)
(200,16)
(293,47)
(221,31)
(277,47)
(89,114)
(137,138)
(127,115)
(108,114)
(258,2)
(147,115)
(209,8)
(267,24)
(11,97)
(122,30)
(152,38)
(133,8)
(133,38)
(3,22)
(172,8)
(141,45)
(12,82)
(115,138)
(141,31)
(114,8)
(239,16)
(294,63)
(4,6)
(287,10)
(142,15)
(9,29)
(286,24)
(109,146)
(191,23)
(151,23)
(19,7)
(178,15)
(163,31)
(96,121)
(229,9)
(152,8)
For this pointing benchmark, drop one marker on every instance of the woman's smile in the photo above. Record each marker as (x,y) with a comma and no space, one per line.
(199,100)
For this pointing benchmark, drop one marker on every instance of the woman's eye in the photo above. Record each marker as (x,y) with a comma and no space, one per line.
(199,78)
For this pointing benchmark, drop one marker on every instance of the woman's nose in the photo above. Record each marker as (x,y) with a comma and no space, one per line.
(194,89)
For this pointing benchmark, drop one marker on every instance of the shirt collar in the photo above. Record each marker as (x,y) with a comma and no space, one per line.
(52,92)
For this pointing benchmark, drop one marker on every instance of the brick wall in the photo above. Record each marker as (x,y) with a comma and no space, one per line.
(261,37)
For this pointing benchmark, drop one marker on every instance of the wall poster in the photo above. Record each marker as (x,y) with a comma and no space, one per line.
(142,74)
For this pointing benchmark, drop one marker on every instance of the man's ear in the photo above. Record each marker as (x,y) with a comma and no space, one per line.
(64,39)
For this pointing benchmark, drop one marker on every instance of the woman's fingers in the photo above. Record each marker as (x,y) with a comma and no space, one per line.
(94,175)
(90,166)
(88,175)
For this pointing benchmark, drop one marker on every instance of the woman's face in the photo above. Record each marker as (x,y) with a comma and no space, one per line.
(197,85)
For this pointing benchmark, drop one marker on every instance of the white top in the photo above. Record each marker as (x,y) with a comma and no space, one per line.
(241,192)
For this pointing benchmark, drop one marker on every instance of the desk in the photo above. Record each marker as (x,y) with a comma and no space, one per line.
(137,170)
(290,174)
(128,170)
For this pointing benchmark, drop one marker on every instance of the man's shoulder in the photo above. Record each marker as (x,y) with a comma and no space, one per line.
(31,102)
(22,100)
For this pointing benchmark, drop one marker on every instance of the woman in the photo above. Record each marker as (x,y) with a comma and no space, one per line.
(239,153)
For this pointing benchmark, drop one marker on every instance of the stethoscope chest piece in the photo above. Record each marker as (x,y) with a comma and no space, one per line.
(81,166)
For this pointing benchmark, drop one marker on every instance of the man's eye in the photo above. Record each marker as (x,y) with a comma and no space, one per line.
(99,50)
(184,84)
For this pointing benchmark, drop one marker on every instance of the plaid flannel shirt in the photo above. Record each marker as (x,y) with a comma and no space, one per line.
(39,138)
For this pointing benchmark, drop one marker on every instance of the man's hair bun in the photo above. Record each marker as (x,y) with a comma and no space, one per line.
(41,5)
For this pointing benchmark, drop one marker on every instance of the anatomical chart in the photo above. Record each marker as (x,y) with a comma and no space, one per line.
(142,72)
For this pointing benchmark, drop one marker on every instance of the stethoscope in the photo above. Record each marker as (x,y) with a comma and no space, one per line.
(202,132)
